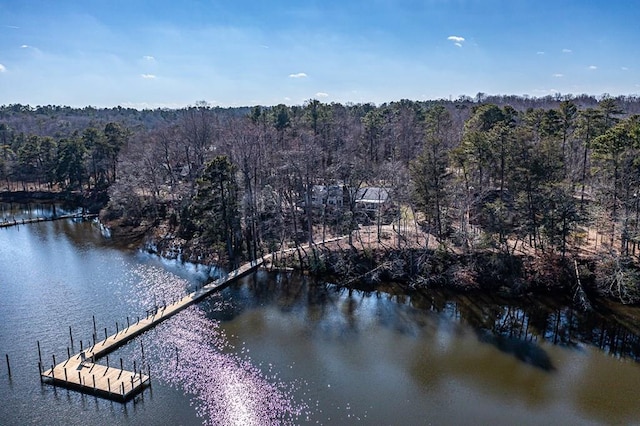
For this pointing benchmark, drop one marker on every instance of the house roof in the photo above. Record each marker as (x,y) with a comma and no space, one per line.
(372,194)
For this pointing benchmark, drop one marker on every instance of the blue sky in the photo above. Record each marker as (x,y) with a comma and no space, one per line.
(236,52)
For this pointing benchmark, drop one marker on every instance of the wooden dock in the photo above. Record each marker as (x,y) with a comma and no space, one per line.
(107,382)
(25,221)
(82,373)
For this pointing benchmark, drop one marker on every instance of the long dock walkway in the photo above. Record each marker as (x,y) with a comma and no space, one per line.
(81,372)
(15,222)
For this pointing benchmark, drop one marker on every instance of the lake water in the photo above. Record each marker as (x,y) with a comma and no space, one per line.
(280,348)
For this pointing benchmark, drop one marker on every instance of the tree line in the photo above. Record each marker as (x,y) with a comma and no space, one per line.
(83,160)
(507,176)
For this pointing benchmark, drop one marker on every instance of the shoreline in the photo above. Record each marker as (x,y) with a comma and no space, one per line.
(366,265)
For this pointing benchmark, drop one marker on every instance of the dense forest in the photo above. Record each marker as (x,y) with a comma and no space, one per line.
(538,192)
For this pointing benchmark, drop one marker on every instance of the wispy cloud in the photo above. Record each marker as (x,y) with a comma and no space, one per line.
(539,52)
(457,40)
(148,76)
(593,67)
(3,68)
(567,51)
(298,75)
(148,58)
(624,69)
(32,49)
(322,95)
(558,75)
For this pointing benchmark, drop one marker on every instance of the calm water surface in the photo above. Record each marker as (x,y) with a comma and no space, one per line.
(281,348)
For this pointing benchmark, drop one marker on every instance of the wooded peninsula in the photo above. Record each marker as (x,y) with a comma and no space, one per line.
(506,194)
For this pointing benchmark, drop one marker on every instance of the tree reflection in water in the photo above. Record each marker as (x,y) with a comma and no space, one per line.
(515,326)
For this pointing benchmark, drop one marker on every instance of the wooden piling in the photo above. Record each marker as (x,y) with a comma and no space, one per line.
(8,365)
(39,353)
(71,336)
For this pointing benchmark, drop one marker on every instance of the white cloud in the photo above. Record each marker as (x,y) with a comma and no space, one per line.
(456,39)
(567,51)
(540,52)
(24,46)
(298,75)
(148,58)
(3,68)
(322,95)
(593,67)
(558,75)
(625,69)
(148,76)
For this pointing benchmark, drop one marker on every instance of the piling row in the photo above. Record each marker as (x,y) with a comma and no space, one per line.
(81,372)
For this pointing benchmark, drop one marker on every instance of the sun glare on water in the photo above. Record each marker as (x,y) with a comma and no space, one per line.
(192,353)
